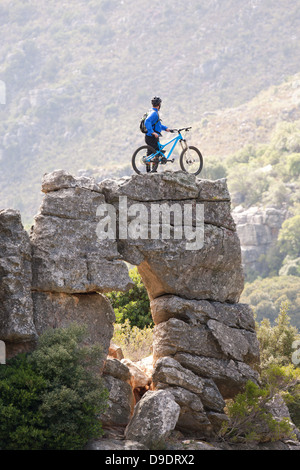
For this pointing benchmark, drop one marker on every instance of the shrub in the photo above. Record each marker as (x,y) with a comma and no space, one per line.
(276,343)
(135,343)
(264,294)
(293,164)
(289,236)
(50,398)
(250,419)
(134,305)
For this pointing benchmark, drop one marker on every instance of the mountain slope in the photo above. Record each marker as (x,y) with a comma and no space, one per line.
(80,74)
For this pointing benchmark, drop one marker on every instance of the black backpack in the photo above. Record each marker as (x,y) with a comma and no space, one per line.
(142,123)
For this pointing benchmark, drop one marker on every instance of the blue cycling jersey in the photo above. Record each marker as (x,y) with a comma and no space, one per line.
(152,125)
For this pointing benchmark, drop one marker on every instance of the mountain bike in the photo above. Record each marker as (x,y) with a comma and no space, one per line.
(190,159)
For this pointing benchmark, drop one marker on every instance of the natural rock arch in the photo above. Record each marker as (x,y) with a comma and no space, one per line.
(205,346)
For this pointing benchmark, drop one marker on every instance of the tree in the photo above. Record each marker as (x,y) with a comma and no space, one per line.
(276,343)
(289,237)
(250,419)
(133,305)
(50,398)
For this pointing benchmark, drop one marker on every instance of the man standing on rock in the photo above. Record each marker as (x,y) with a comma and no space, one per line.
(154,128)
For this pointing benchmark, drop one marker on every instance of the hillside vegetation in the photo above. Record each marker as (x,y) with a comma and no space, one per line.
(80,74)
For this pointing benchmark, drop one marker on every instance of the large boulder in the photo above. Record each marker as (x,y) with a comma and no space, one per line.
(57,310)
(120,402)
(117,380)
(16,309)
(154,417)
(68,255)
(201,259)
(213,340)
(199,398)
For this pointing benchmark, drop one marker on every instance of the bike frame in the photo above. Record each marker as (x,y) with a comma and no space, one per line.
(161,147)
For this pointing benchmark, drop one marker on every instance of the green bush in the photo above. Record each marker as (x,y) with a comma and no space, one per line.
(133,305)
(276,343)
(290,267)
(265,297)
(289,237)
(293,164)
(136,343)
(50,398)
(249,414)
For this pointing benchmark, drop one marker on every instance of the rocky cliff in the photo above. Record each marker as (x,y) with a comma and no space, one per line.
(180,233)
(258,229)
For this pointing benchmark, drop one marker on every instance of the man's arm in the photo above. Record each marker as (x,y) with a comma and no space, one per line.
(149,123)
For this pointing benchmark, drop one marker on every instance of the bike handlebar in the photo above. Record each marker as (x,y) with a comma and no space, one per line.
(182,129)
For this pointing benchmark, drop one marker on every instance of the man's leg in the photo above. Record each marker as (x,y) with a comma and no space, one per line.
(152,142)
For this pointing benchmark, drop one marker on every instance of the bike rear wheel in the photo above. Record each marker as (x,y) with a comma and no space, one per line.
(138,159)
(191,160)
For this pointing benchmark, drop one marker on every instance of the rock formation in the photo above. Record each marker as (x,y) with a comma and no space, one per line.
(17,328)
(180,233)
(258,229)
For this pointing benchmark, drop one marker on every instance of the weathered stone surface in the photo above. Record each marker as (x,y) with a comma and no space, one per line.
(192,419)
(16,311)
(170,372)
(61,179)
(218,213)
(120,402)
(138,376)
(200,311)
(176,336)
(205,346)
(115,351)
(68,255)
(214,340)
(230,376)
(117,369)
(53,310)
(155,415)
(236,344)
(216,190)
(172,377)
(167,186)
(194,395)
(146,364)
(166,264)
(214,212)
(211,396)
(279,410)
(167,267)
(68,258)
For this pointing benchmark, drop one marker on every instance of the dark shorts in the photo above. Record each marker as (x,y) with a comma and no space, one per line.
(152,142)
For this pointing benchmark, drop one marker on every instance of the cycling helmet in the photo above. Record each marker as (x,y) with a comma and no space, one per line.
(156,101)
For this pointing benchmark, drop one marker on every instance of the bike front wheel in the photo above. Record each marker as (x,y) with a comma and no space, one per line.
(191,160)
(138,159)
